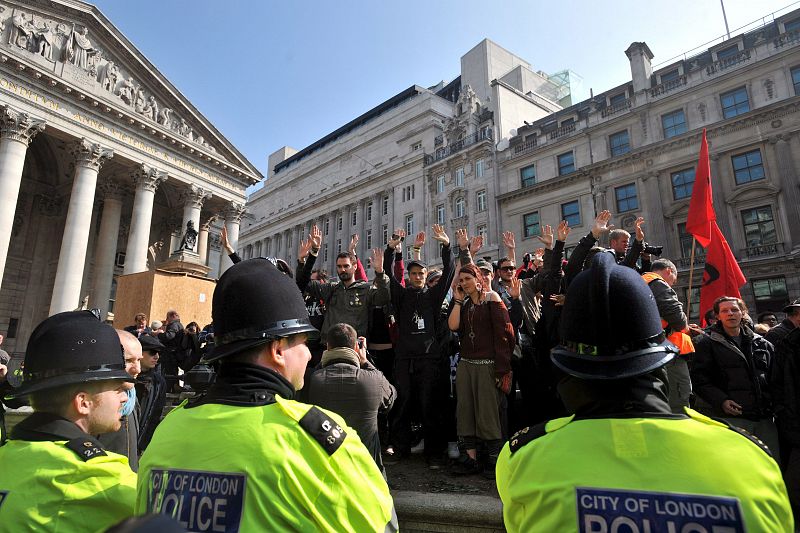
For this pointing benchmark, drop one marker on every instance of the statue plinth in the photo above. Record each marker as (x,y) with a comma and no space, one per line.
(185,261)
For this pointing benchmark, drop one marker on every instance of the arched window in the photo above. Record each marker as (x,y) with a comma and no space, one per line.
(459,207)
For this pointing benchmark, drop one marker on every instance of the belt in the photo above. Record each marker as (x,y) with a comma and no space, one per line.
(479,361)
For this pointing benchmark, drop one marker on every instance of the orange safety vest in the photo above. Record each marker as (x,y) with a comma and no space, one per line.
(678,338)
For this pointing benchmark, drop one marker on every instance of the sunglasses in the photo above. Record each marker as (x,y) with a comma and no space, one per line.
(508,268)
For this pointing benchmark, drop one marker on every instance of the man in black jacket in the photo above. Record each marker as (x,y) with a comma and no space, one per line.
(151,390)
(171,339)
(786,396)
(731,371)
(420,370)
(791,322)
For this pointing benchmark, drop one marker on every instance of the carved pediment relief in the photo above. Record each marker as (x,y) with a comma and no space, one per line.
(762,190)
(76,43)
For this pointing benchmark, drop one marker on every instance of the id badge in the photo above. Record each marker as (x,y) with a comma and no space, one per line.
(421,323)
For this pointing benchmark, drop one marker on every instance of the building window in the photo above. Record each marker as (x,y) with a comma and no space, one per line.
(566,163)
(459,207)
(327,226)
(670,75)
(527,175)
(409,225)
(685,241)
(791,25)
(626,198)
(619,143)
(734,102)
(673,123)
(385,205)
(440,214)
(440,184)
(460,177)
(479,168)
(481,231)
(727,53)
(770,294)
(480,200)
(385,230)
(682,182)
(617,99)
(692,302)
(759,226)
(416,146)
(796,80)
(571,212)
(748,167)
(369,239)
(325,254)
(339,224)
(354,218)
(530,224)
(338,246)
(369,210)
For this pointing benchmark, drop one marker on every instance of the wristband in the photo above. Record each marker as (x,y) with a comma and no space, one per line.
(459,302)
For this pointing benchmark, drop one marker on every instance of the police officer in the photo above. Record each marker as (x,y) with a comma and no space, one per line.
(623,461)
(246,456)
(54,476)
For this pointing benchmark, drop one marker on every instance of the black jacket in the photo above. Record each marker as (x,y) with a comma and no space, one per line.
(723,371)
(780,331)
(785,385)
(151,395)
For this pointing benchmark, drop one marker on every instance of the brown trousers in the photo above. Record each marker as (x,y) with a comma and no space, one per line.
(477,409)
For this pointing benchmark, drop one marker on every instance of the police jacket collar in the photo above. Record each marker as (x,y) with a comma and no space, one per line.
(643,396)
(47,427)
(245,385)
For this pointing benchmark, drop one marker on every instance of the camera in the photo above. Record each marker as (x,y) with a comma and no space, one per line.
(395,236)
(652,250)
(360,344)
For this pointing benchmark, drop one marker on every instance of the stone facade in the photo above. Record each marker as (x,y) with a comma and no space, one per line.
(634,149)
(101,159)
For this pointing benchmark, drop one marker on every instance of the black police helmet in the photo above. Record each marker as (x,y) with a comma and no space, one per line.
(254,303)
(610,326)
(69,348)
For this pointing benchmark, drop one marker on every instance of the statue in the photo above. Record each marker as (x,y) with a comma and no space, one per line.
(164,117)
(78,49)
(126,91)
(185,129)
(152,253)
(151,109)
(21,33)
(43,40)
(139,102)
(110,76)
(189,239)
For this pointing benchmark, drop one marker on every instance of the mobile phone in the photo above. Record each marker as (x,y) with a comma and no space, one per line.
(360,343)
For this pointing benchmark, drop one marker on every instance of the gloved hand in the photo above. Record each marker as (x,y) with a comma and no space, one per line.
(504,383)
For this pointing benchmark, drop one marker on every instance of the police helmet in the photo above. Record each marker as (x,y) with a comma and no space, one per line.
(253,304)
(610,326)
(69,348)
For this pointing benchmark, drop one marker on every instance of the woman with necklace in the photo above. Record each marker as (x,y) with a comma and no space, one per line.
(484,372)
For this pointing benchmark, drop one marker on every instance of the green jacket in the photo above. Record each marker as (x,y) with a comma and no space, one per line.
(640,474)
(283,466)
(58,478)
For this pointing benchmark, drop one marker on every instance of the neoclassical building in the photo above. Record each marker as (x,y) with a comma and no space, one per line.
(424,156)
(633,150)
(101,159)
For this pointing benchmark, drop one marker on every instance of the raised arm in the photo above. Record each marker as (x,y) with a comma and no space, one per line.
(304,273)
(511,245)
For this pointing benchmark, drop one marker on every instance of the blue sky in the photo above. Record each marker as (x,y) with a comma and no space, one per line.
(270,74)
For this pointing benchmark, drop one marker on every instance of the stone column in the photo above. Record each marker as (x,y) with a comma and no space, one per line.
(106,248)
(377,225)
(789,184)
(202,239)
(16,132)
(655,230)
(145,180)
(193,199)
(89,157)
(233,217)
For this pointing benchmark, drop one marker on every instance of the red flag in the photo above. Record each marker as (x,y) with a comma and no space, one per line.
(701,209)
(722,275)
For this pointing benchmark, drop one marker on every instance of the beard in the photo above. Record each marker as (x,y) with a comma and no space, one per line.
(345,276)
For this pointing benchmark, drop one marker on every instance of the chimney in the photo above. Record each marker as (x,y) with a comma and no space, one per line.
(640,55)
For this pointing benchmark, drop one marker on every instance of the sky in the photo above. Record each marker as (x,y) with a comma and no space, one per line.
(270,74)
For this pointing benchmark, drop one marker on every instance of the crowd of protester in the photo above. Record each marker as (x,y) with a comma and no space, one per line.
(456,360)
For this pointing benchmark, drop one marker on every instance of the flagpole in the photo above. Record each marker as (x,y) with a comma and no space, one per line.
(691,272)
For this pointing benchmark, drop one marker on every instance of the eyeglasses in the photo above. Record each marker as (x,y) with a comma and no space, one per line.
(508,268)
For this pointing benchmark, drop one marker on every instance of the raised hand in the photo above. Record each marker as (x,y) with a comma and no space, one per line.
(316,238)
(475,245)
(419,242)
(639,230)
(440,235)
(546,237)
(508,240)
(563,230)
(377,260)
(223,240)
(601,225)
(462,238)
(353,244)
(514,287)
(395,242)
(304,248)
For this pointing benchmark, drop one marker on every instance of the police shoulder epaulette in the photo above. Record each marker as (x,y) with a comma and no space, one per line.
(86,447)
(323,429)
(755,440)
(526,435)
